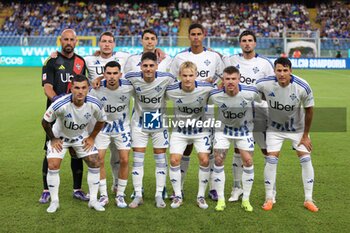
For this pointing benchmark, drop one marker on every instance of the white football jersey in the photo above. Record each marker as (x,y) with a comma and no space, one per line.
(189,107)
(149,97)
(116,104)
(133,64)
(236,112)
(96,64)
(72,121)
(286,104)
(251,69)
(209,64)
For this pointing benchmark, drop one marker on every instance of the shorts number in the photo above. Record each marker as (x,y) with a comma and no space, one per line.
(165,133)
(207,141)
(126,137)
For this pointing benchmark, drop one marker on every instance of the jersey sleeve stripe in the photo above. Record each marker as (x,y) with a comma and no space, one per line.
(61,103)
(204,84)
(173,86)
(132,75)
(303,85)
(125,82)
(214,92)
(266,79)
(165,74)
(94,100)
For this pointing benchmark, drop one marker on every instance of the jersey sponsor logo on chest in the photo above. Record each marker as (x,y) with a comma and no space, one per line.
(111,109)
(282,107)
(66,77)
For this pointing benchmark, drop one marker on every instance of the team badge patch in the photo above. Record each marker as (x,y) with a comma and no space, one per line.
(207,62)
(44,76)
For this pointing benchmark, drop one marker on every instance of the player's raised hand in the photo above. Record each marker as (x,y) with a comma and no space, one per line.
(306,141)
(56,144)
(88,143)
(97,53)
(96,83)
(54,54)
(160,55)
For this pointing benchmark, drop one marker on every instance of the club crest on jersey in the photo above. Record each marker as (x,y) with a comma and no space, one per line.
(179,101)
(256,70)
(207,62)
(293,96)
(123,97)
(78,66)
(68,115)
(87,115)
(158,88)
(44,76)
(243,104)
(97,62)
(199,99)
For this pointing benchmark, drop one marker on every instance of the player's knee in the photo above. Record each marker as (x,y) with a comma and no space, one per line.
(174,161)
(204,161)
(248,162)
(219,161)
(93,161)
(124,161)
(53,166)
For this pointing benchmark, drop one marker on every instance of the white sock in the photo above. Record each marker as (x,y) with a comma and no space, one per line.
(115,164)
(161,173)
(137,172)
(237,170)
(93,180)
(53,181)
(247,181)
(121,187)
(270,175)
(211,166)
(274,187)
(185,162)
(219,179)
(175,179)
(203,178)
(103,187)
(307,172)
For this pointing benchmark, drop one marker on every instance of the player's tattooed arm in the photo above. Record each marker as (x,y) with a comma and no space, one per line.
(56,143)
(220,156)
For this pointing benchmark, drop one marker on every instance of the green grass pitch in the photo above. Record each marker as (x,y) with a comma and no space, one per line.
(21,140)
